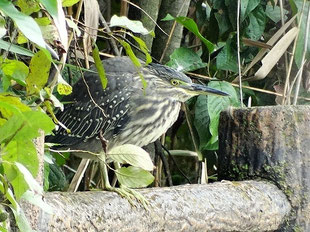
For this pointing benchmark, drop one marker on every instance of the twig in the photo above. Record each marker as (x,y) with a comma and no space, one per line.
(170,34)
(175,163)
(147,16)
(282,23)
(238,52)
(113,43)
(245,87)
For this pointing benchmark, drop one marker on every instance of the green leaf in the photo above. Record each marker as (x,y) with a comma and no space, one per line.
(37,199)
(51,7)
(202,120)
(25,23)
(10,105)
(15,48)
(190,25)
(9,195)
(63,88)
(57,178)
(274,13)
(257,24)
(67,3)
(134,60)
(227,58)
(44,21)
(302,32)
(15,69)
(21,220)
(73,26)
(32,183)
(99,67)
(28,6)
(132,154)
(134,177)
(223,21)
(185,60)
(39,71)
(143,47)
(217,104)
(23,152)
(133,25)
(247,6)
(18,182)
(31,129)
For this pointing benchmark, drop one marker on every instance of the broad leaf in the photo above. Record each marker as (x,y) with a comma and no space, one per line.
(227,58)
(133,25)
(15,49)
(37,199)
(133,155)
(39,71)
(190,25)
(67,3)
(185,59)
(25,23)
(15,69)
(21,220)
(257,23)
(134,177)
(217,104)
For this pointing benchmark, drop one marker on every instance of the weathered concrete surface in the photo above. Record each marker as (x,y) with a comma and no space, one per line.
(271,143)
(222,206)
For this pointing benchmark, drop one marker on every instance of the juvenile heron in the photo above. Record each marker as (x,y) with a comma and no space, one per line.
(124,112)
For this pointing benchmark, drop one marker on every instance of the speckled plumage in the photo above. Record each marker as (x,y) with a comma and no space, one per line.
(123,111)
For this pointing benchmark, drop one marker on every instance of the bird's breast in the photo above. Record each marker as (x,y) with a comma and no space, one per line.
(150,119)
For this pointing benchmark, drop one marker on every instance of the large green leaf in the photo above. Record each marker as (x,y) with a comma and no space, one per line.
(190,25)
(24,152)
(133,25)
(15,48)
(66,3)
(133,155)
(202,120)
(227,58)
(134,177)
(21,220)
(28,7)
(16,70)
(39,71)
(247,6)
(217,104)
(26,24)
(185,59)
(257,24)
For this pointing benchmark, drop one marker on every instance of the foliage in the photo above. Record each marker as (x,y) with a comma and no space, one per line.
(29,91)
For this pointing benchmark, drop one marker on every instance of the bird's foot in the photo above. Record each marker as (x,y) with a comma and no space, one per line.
(131,195)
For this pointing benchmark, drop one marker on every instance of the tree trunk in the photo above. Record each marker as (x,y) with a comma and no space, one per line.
(175,8)
(271,143)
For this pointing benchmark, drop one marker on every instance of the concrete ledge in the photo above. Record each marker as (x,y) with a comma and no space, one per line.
(222,206)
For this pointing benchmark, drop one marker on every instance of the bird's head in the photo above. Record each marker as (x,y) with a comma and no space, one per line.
(174,84)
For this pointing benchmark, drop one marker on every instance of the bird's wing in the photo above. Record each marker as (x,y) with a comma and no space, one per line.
(91,109)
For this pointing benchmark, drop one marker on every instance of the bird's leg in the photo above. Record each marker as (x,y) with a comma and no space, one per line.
(123,191)
(133,194)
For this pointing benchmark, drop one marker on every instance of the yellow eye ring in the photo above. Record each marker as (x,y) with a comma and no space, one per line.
(175,82)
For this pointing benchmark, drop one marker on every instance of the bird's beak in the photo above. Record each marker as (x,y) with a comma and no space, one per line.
(196,89)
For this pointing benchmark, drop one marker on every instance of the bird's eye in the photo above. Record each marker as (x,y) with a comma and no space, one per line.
(175,82)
